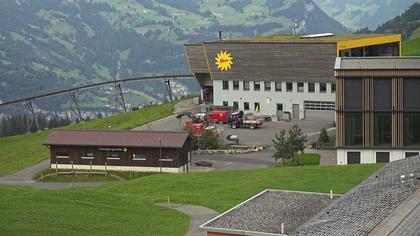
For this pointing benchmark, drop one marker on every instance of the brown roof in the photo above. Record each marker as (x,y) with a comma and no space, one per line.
(108,138)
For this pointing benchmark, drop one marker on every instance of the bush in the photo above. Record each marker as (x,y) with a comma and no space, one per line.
(323,137)
(209,139)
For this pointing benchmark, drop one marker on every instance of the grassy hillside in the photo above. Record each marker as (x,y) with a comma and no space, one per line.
(19,152)
(127,208)
(411,47)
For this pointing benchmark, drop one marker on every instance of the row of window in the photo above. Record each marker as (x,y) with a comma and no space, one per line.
(278,86)
(382,129)
(381,157)
(109,156)
(257,106)
(319,105)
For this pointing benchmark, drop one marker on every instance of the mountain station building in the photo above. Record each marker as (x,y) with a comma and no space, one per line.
(146,151)
(283,76)
(378,109)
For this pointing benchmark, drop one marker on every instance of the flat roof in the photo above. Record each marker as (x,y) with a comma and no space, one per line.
(377,63)
(116,138)
(297,38)
(264,213)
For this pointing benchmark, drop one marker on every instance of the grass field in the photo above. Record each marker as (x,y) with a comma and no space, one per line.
(306,159)
(19,152)
(411,47)
(127,208)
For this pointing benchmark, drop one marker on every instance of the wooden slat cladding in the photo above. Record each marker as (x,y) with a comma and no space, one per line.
(340,114)
(377,73)
(367,87)
(276,61)
(196,58)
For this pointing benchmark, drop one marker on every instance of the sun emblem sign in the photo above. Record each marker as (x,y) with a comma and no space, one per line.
(224,61)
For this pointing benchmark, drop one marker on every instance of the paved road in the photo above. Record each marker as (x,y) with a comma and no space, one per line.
(198,214)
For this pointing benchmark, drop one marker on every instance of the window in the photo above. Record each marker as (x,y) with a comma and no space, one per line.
(382,94)
(411,90)
(62,155)
(246,106)
(353,158)
(246,85)
(225,103)
(267,86)
(311,87)
(235,106)
(412,129)
(333,88)
(300,87)
(235,85)
(139,157)
(353,94)
(353,129)
(257,107)
(411,154)
(319,106)
(382,129)
(277,86)
(322,87)
(225,85)
(289,87)
(88,155)
(256,86)
(382,157)
(112,156)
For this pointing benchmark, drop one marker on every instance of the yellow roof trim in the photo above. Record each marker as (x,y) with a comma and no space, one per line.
(395,38)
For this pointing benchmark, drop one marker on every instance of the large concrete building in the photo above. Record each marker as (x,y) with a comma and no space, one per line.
(378,109)
(285,76)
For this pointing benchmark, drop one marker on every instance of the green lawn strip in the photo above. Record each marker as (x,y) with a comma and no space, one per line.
(305,159)
(22,151)
(128,208)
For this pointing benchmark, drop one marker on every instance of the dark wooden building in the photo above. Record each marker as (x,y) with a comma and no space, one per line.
(151,151)
(378,109)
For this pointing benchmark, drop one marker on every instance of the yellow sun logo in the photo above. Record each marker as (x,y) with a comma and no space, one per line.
(224,61)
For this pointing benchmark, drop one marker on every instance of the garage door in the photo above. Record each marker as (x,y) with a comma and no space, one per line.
(319,110)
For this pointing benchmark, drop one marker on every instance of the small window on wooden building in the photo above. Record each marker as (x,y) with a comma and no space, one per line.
(225,85)
(112,156)
(246,106)
(333,88)
(267,86)
(88,155)
(139,157)
(311,87)
(225,103)
(382,157)
(62,155)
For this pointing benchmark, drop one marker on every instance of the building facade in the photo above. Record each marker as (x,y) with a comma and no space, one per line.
(146,151)
(279,76)
(378,109)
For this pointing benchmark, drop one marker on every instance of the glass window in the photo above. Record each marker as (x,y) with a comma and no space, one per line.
(322,87)
(382,157)
(353,158)
(62,155)
(411,91)
(246,85)
(311,87)
(225,103)
(278,86)
(267,86)
(289,87)
(333,88)
(256,86)
(235,85)
(257,107)
(235,106)
(300,87)
(88,155)
(139,157)
(382,129)
(353,94)
(382,93)
(246,106)
(225,85)
(412,129)
(411,154)
(112,156)
(353,129)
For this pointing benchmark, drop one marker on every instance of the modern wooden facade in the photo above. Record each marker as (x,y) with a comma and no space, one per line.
(120,150)
(377,109)
(280,74)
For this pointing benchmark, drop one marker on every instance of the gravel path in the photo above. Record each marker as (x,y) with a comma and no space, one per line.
(198,214)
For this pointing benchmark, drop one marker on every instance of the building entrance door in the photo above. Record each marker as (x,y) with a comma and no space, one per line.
(280,114)
(295,112)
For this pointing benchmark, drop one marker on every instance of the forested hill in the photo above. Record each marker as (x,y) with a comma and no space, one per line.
(50,44)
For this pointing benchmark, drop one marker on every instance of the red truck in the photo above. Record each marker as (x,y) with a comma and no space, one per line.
(218,116)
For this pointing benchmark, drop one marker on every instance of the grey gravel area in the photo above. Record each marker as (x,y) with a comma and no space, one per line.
(359,211)
(267,211)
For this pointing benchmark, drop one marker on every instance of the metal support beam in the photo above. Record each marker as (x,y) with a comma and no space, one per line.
(34,119)
(168,88)
(119,97)
(74,106)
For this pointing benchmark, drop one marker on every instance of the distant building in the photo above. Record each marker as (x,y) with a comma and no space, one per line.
(280,76)
(385,204)
(149,151)
(378,109)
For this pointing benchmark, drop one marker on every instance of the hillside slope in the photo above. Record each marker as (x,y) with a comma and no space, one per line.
(49,44)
